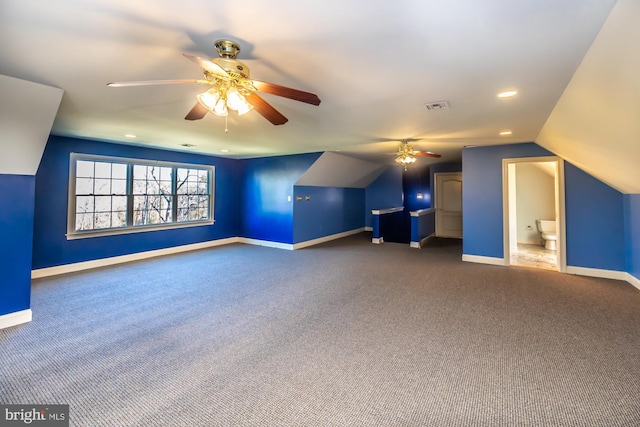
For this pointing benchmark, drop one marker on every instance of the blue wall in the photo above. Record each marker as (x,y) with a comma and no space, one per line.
(594,221)
(267,213)
(384,192)
(595,215)
(632,233)
(16,234)
(482,195)
(416,180)
(50,246)
(328,211)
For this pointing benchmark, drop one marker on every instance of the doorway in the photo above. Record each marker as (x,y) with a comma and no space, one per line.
(533,190)
(448,204)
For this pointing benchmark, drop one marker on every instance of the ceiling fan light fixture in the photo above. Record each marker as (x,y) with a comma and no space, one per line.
(209,99)
(237,102)
(220,109)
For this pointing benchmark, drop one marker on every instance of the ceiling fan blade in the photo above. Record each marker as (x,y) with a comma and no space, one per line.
(197,112)
(158,82)
(426,154)
(209,66)
(287,92)
(266,110)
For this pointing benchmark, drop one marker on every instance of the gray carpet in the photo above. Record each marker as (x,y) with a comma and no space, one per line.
(342,334)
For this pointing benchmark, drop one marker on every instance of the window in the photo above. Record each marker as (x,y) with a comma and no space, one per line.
(111,195)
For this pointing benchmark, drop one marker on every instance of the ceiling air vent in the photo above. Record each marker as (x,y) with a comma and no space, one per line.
(438,105)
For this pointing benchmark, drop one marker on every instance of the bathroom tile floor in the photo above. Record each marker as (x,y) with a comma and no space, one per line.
(534,256)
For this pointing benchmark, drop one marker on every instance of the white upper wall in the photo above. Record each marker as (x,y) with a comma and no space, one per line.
(596,123)
(27,112)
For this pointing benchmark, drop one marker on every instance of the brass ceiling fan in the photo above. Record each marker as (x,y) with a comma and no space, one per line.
(231,87)
(406,155)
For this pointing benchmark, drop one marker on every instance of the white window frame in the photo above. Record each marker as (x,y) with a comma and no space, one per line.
(72,234)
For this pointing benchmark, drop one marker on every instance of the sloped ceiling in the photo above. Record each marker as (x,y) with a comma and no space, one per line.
(596,123)
(336,170)
(27,111)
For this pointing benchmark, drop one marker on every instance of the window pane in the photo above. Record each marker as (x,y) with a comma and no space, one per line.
(119,171)
(103,170)
(84,186)
(139,187)
(204,213)
(166,174)
(139,172)
(119,203)
(153,187)
(102,220)
(84,221)
(84,204)
(119,219)
(84,168)
(119,186)
(102,186)
(103,204)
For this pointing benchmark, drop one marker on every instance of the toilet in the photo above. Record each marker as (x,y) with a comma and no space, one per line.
(547,230)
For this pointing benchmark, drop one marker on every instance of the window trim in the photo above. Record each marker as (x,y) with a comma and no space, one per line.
(72,234)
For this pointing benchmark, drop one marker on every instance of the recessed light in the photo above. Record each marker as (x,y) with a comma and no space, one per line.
(505,133)
(224,150)
(129,135)
(507,94)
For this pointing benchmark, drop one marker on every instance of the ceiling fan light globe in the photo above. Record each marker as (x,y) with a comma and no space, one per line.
(235,101)
(244,108)
(209,99)
(220,109)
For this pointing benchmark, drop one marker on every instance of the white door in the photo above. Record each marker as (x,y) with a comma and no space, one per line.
(448,204)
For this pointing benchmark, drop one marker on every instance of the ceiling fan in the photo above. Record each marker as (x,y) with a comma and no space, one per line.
(231,88)
(406,155)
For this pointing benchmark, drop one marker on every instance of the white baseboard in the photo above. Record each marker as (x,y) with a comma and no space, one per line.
(633,280)
(104,262)
(368,229)
(483,259)
(15,318)
(377,240)
(328,238)
(597,272)
(266,243)
(421,243)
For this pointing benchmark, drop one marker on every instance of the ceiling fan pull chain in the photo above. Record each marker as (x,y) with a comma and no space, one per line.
(226,121)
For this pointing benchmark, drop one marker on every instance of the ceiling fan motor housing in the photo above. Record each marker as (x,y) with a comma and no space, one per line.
(232,66)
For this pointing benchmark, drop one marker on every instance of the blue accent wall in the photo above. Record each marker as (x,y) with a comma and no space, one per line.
(267,213)
(482,195)
(327,211)
(17,193)
(632,233)
(416,180)
(50,246)
(384,192)
(594,212)
(594,221)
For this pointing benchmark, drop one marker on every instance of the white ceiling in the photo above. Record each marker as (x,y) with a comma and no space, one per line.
(373,64)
